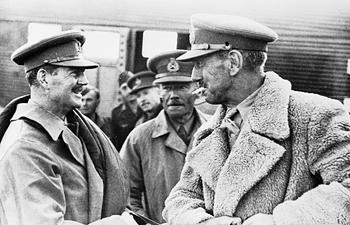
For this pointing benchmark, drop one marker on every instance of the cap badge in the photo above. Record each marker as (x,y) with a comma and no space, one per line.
(173,66)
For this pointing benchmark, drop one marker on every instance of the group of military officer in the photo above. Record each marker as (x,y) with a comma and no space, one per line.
(269,155)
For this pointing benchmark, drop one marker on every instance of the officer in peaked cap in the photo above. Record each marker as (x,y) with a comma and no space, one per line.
(147,94)
(266,156)
(166,139)
(50,154)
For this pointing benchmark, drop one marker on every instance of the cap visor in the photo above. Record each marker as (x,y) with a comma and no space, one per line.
(192,54)
(173,79)
(133,91)
(82,63)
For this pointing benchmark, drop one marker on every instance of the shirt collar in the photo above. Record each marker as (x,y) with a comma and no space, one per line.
(32,111)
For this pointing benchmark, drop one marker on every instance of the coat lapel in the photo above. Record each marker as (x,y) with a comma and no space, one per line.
(211,154)
(250,160)
(211,149)
(268,115)
(172,141)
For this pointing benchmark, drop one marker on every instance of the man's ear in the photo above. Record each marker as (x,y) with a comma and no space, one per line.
(236,60)
(42,76)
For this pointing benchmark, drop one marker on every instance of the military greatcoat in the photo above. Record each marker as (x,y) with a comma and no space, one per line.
(291,159)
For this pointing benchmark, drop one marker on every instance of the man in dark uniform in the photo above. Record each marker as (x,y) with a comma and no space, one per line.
(91,100)
(155,151)
(125,115)
(147,95)
(56,167)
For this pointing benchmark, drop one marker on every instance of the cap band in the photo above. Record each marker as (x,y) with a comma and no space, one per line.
(206,46)
(62,59)
(208,40)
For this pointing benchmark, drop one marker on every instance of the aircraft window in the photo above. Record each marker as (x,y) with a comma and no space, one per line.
(155,42)
(102,46)
(37,31)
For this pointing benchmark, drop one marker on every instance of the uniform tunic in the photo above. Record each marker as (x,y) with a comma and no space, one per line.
(154,155)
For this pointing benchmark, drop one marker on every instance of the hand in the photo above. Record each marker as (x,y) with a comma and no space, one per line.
(260,219)
(129,219)
(236,221)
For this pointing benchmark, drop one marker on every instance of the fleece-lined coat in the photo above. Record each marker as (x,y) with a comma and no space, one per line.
(291,159)
(154,154)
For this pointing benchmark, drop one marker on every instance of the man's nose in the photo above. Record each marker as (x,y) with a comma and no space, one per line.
(83,79)
(173,93)
(196,74)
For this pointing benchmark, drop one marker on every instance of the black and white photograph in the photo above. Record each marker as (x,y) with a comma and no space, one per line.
(174,112)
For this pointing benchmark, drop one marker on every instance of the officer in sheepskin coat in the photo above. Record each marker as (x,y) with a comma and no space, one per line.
(288,163)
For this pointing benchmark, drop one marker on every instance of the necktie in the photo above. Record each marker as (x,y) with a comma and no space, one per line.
(183,134)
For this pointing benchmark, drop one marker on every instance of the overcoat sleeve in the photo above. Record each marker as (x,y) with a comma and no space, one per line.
(328,157)
(130,154)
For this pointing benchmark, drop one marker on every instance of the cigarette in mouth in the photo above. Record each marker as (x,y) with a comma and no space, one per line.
(198,91)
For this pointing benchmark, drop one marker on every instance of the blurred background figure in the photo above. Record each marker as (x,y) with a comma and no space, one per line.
(147,95)
(91,100)
(125,115)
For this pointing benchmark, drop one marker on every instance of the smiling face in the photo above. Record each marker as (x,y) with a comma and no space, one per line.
(178,99)
(213,73)
(63,88)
